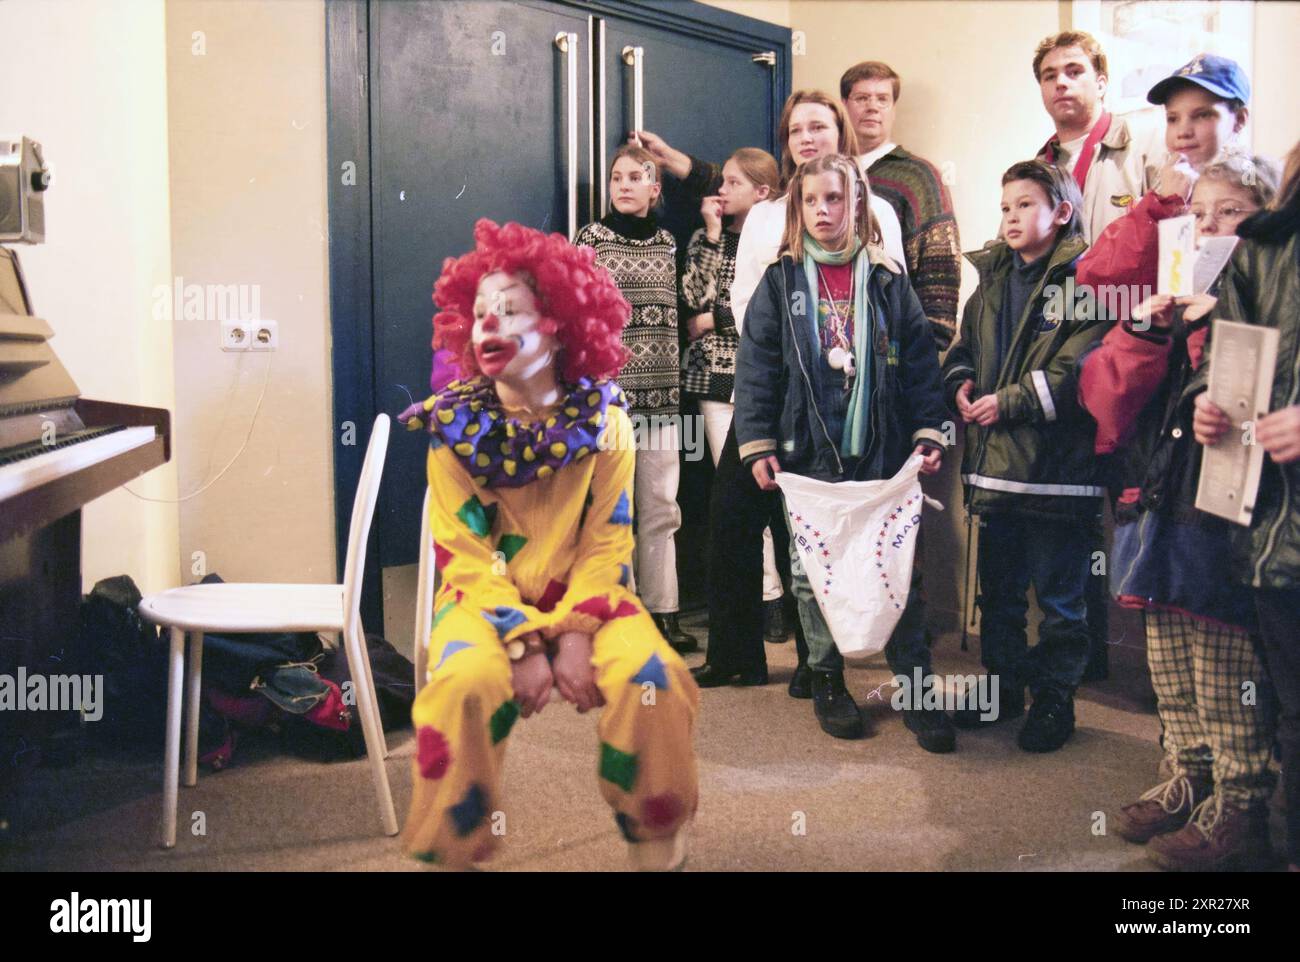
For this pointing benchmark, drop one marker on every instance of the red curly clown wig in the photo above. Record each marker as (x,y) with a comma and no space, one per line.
(579,302)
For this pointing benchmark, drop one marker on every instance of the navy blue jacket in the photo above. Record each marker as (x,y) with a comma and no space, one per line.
(778,370)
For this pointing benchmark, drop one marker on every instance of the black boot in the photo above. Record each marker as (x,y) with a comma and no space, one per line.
(836,710)
(681,642)
(775,630)
(1050,723)
(1011,705)
(710,676)
(801,681)
(932,728)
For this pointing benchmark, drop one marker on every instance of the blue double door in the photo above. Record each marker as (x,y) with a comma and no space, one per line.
(511,111)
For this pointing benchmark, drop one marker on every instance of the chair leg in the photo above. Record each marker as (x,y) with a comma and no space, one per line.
(423,601)
(364,655)
(193,687)
(171,754)
(421,663)
(370,728)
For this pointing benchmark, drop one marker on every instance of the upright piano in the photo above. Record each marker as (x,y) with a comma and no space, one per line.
(58,451)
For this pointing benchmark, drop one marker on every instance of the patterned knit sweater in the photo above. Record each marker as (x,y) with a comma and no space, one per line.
(915,189)
(709,361)
(643,259)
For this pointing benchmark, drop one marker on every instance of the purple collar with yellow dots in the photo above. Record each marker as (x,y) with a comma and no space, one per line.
(503,452)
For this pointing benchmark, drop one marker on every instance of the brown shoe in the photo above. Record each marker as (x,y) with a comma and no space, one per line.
(1219,837)
(1165,808)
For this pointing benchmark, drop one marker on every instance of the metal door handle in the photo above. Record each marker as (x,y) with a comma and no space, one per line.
(567,43)
(634,57)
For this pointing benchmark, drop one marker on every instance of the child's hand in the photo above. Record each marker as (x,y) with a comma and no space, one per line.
(1156,313)
(700,324)
(932,458)
(531,678)
(1279,432)
(1196,306)
(1178,177)
(574,674)
(764,472)
(711,211)
(1209,423)
(963,400)
(984,412)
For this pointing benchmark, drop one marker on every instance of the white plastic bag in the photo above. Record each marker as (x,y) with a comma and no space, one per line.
(856,540)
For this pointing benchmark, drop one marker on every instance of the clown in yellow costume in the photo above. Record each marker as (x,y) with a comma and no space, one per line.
(530,473)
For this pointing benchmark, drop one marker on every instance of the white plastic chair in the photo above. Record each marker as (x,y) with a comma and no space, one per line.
(242,608)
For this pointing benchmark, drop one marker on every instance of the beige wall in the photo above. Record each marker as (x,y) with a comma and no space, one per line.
(773,11)
(88,81)
(248,192)
(1275,108)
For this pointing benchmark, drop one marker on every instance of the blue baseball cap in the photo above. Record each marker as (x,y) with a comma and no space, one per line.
(1219,75)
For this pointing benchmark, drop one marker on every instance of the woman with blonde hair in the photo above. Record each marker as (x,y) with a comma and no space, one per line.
(642,257)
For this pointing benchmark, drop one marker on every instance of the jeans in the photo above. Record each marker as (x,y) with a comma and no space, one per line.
(907,649)
(1055,557)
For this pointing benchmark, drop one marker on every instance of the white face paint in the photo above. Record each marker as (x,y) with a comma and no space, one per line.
(508,342)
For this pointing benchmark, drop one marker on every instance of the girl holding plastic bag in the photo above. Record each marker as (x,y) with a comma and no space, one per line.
(837,379)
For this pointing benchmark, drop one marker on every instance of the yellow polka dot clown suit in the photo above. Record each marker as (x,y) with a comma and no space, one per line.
(532,522)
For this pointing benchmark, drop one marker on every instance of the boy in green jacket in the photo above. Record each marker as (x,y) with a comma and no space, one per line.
(1028,465)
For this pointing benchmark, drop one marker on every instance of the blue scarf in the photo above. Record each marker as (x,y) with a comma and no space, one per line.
(857,422)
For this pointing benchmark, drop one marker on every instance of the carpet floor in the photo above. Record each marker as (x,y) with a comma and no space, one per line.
(775,794)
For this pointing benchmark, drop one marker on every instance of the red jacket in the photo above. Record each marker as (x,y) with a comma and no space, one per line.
(1124,372)
(1128,251)
(1139,386)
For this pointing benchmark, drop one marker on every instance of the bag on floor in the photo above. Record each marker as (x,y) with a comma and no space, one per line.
(113,641)
(856,540)
(394,678)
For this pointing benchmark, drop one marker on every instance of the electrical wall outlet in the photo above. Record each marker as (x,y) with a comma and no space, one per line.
(265,335)
(236,335)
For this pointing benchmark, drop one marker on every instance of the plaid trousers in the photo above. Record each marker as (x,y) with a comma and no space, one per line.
(1216,725)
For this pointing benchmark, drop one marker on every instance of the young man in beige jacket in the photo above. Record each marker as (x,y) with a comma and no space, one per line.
(1114,159)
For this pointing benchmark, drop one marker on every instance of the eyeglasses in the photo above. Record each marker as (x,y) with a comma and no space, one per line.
(1222,212)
